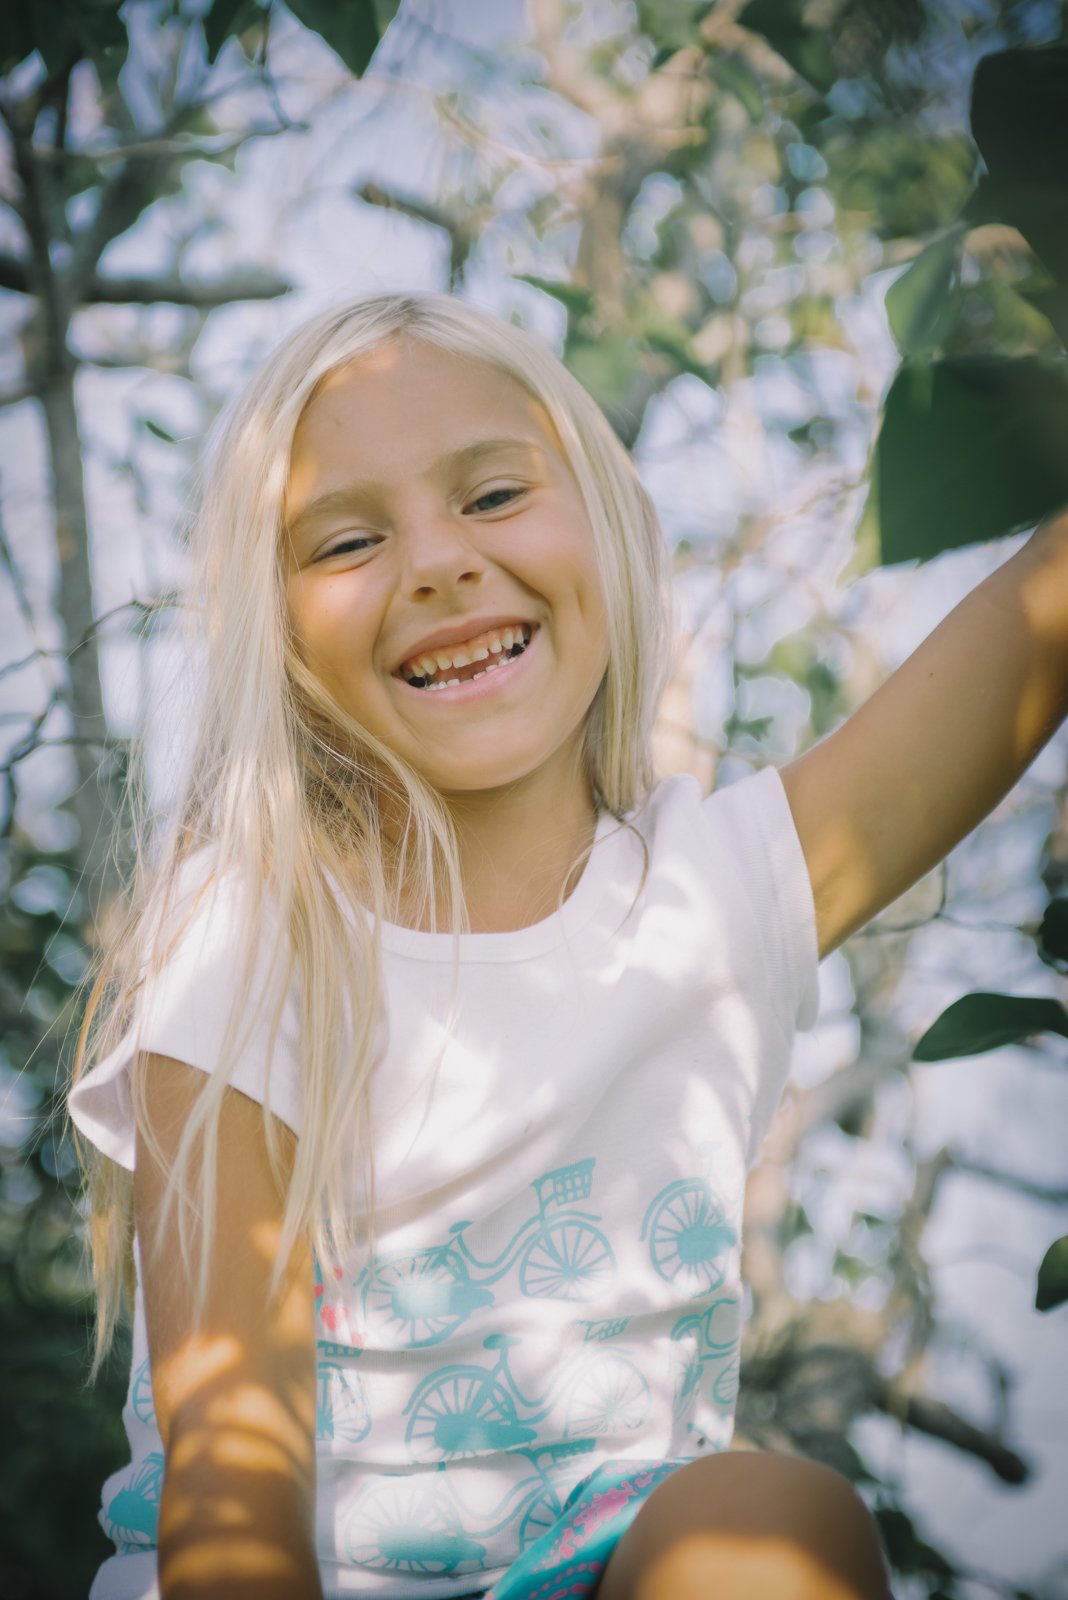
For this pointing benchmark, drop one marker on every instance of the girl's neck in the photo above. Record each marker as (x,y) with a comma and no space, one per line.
(522,848)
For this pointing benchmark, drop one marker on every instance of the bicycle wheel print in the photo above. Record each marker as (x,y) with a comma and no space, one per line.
(401,1527)
(608,1396)
(420,1299)
(541,1516)
(341,1410)
(141,1401)
(132,1513)
(569,1260)
(689,1238)
(463,1412)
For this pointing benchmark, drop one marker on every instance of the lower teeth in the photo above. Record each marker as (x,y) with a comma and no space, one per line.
(509,655)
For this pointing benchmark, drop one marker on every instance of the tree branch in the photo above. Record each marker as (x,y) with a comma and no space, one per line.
(940,1421)
(250,284)
(1010,1180)
(461,234)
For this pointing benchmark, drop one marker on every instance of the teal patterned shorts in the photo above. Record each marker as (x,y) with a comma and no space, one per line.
(566,1562)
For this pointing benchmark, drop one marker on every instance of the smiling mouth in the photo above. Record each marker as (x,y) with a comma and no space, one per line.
(463,663)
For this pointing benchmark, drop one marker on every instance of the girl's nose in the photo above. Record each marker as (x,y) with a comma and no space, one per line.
(440,557)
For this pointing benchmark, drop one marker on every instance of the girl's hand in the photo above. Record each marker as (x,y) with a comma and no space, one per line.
(885,797)
(234,1395)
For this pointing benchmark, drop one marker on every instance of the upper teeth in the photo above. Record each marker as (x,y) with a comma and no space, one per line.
(480,648)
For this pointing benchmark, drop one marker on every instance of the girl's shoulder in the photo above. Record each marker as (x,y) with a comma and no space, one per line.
(749,811)
(216,989)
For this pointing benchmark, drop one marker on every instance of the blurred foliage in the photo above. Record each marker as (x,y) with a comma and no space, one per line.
(755,169)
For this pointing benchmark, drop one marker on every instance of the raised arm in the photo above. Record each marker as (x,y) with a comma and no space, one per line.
(234,1397)
(881,800)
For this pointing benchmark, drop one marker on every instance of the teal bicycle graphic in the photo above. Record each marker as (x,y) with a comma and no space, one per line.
(341,1410)
(468,1410)
(141,1401)
(689,1236)
(602,1328)
(133,1512)
(425,1524)
(422,1298)
(708,1340)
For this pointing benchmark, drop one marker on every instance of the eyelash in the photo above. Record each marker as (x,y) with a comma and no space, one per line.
(357,542)
(512,493)
(354,544)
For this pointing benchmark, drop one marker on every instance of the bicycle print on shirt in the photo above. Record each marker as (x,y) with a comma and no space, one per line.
(416,1299)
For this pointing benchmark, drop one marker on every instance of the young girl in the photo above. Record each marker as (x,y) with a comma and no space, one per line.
(424,1081)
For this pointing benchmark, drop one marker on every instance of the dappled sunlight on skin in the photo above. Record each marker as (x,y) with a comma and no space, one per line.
(885,797)
(235,1393)
(729,1565)
(749,1525)
(251,1445)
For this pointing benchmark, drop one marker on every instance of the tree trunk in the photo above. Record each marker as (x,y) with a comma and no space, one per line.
(93,800)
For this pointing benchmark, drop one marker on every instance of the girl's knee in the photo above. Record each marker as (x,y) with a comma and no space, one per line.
(750,1523)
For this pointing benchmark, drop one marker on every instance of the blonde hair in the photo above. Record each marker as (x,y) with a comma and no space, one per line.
(287,790)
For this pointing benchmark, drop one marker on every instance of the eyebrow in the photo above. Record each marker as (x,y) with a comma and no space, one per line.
(343,499)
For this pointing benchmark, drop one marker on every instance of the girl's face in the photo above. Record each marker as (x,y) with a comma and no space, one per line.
(440,568)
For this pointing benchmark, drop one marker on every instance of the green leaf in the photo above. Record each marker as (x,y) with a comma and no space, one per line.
(579,301)
(969,449)
(1020,123)
(908,1551)
(736,78)
(782,24)
(1053,933)
(606,366)
(352,28)
(1052,1287)
(672,24)
(1052,303)
(920,304)
(979,1022)
(103,38)
(385,11)
(17,36)
(158,431)
(225,19)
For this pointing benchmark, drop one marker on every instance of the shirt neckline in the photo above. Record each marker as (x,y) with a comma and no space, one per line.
(519,944)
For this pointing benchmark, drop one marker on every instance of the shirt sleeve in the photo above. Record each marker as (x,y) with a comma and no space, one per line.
(755,825)
(755,820)
(186,1010)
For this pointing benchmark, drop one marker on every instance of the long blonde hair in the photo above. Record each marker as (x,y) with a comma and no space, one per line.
(287,790)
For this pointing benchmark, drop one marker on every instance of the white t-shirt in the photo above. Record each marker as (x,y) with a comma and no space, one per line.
(559,1176)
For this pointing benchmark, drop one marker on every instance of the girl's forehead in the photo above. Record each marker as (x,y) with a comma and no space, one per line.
(403,369)
(404,406)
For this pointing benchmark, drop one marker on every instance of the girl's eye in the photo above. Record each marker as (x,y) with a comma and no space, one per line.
(494,499)
(351,544)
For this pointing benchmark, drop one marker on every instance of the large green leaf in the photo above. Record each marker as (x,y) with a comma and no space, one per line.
(1053,934)
(226,18)
(606,366)
(783,25)
(979,1022)
(1051,301)
(1052,1287)
(1020,123)
(739,79)
(969,449)
(352,28)
(672,24)
(64,31)
(920,305)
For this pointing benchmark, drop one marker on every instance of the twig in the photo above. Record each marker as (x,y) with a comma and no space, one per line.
(146,608)
(940,1421)
(22,599)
